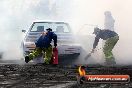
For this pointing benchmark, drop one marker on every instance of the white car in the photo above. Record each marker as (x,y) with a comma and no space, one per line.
(65,41)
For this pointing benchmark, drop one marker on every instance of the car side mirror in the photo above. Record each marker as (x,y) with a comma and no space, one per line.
(24,31)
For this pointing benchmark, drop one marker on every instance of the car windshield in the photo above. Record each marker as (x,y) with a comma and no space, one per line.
(56,27)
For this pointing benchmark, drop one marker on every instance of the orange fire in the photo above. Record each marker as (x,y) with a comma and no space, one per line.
(81,71)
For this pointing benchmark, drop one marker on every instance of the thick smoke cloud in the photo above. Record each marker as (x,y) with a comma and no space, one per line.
(92,12)
(19,14)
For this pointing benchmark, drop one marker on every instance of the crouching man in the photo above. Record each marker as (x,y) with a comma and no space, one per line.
(43,45)
(111,38)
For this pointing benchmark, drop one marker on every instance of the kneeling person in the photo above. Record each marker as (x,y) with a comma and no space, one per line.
(43,44)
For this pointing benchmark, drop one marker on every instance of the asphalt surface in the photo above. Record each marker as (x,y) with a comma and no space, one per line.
(49,76)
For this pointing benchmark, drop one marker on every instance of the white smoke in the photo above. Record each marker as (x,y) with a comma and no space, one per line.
(19,14)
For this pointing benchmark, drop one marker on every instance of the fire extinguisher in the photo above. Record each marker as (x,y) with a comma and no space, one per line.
(55,56)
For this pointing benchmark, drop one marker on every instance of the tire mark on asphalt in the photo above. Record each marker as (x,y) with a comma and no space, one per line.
(23,79)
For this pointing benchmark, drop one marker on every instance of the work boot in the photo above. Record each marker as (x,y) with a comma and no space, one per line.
(113,61)
(27,59)
(110,62)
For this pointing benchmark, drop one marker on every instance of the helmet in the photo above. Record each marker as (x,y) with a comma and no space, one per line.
(49,29)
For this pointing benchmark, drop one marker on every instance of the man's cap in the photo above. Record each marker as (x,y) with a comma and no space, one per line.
(96,29)
(49,29)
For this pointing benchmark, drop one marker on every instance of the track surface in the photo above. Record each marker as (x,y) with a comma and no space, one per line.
(47,76)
